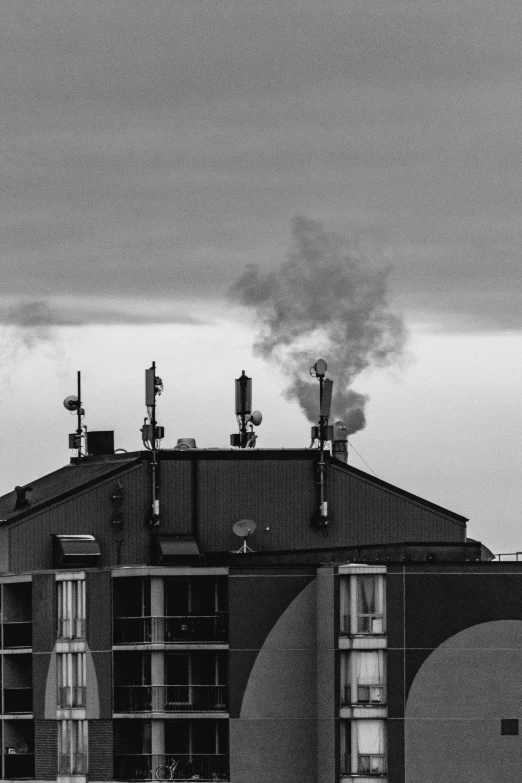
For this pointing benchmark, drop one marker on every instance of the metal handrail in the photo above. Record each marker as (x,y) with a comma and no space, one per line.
(170,698)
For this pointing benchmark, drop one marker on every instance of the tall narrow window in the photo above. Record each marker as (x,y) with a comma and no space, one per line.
(72,747)
(370,604)
(363,747)
(71,609)
(362,604)
(363,677)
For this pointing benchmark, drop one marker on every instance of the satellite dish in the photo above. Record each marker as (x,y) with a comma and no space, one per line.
(320,367)
(244,527)
(256,418)
(71,403)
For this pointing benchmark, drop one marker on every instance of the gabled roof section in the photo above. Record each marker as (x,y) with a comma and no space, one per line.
(63,483)
(397,491)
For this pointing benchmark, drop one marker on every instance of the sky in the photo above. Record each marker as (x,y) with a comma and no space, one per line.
(162,161)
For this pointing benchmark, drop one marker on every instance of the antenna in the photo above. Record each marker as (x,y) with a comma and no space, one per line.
(322,433)
(246,418)
(73,403)
(151,435)
(243,529)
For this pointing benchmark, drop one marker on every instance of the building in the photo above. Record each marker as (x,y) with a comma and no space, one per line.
(384,645)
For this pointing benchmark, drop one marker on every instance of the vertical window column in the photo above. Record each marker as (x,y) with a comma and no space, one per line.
(71,674)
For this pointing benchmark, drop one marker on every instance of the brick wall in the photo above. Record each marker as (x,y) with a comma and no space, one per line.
(46,749)
(100,750)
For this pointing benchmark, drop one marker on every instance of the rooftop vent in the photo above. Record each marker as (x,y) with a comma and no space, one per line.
(185,443)
(70,551)
(100,442)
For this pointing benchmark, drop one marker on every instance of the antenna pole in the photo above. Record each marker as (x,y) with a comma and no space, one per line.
(79,414)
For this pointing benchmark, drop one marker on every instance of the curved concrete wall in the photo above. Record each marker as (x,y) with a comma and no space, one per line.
(275,737)
(456,703)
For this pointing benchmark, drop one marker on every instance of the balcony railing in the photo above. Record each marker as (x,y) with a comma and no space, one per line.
(19,766)
(72,764)
(365,624)
(366,764)
(71,629)
(18,634)
(189,767)
(170,698)
(366,694)
(71,696)
(182,628)
(18,700)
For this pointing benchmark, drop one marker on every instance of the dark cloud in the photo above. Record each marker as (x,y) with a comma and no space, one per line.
(152,149)
(324,300)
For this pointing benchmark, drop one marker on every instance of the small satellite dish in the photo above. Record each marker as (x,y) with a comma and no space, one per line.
(320,367)
(256,418)
(243,529)
(71,403)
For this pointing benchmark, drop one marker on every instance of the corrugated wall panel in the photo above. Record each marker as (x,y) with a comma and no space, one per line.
(376,515)
(277,494)
(89,512)
(176,495)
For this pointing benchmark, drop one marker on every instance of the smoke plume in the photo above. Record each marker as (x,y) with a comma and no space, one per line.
(323,302)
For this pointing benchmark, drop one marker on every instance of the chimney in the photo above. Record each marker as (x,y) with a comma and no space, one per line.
(340,441)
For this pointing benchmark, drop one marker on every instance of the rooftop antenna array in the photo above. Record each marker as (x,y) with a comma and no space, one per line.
(73,403)
(322,434)
(151,435)
(246,418)
(243,529)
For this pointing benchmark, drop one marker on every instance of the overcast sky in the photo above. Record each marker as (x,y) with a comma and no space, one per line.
(151,150)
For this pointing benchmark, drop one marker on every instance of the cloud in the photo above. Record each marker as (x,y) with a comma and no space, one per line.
(323,301)
(152,150)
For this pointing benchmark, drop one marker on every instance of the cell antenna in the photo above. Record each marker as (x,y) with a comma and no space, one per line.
(151,436)
(73,403)
(246,418)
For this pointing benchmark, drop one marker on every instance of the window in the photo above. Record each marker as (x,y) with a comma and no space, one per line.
(71,609)
(363,745)
(71,679)
(72,747)
(509,726)
(362,604)
(363,677)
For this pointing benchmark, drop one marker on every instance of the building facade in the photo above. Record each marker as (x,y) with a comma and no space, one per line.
(384,647)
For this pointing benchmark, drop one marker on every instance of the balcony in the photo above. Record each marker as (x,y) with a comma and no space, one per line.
(203,767)
(366,694)
(366,624)
(18,700)
(18,634)
(19,766)
(170,698)
(373,765)
(72,764)
(175,630)
(71,696)
(71,629)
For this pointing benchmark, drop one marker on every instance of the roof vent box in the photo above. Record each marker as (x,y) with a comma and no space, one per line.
(75,551)
(100,442)
(174,549)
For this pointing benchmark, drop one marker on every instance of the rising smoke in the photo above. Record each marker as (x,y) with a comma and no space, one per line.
(323,301)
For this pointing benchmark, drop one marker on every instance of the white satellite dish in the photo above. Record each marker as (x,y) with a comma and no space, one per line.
(243,529)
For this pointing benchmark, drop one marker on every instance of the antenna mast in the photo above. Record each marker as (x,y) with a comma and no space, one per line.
(246,418)
(151,435)
(323,433)
(74,403)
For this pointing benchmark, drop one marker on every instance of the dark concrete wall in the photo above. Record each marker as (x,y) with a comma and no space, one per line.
(454,653)
(273,728)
